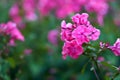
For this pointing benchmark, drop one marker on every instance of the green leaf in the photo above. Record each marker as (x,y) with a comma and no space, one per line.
(109,66)
(11,62)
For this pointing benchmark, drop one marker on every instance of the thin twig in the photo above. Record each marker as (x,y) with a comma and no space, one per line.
(95,72)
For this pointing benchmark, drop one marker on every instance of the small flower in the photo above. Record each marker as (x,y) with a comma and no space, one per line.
(72,49)
(53,36)
(100,58)
(79,34)
(116,47)
(104,45)
(27,51)
(81,19)
(66,31)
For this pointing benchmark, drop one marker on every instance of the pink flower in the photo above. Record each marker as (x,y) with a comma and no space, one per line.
(14,14)
(66,31)
(81,19)
(11,30)
(94,33)
(45,6)
(116,47)
(76,34)
(79,34)
(104,45)
(14,10)
(29,8)
(100,58)
(100,7)
(12,42)
(53,36)
(72,49)
(31,16)
(27,51)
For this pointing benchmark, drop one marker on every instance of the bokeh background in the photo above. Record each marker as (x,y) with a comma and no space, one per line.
(37,58)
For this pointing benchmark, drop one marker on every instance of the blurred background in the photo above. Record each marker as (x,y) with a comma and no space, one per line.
(39,56)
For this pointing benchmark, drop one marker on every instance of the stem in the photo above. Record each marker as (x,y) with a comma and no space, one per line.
(115,75)
(95,72)
(96,64)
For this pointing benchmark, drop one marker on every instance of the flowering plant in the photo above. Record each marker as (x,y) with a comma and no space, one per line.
(59,40)
(77,37)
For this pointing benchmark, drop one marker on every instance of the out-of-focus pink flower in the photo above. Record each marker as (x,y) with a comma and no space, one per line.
(29,8)
(14,14)
(67,7)
(30,16)
(61,8)
(116,47)
(117,18)
(14,10)
(76,34)
(100,7)
(117,21)
(72,49)
(46,6)
(12,42)
(53,36)
(100,58)
(27,51)
(11,30)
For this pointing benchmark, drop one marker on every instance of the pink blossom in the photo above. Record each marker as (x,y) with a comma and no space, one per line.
(27,51)
(116,47)
(14,14)
(66,31)
(14,10)
(81,19)
(104,45)
(11,30)
(94,34)
(79,34)
(76,34)
(31,16)
(45,6)
(66,8)
(72,49)
(12,42)
(100,58)
(53,36)
(29,8)
(100,7)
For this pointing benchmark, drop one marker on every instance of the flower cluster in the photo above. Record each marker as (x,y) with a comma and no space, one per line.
(116,47)
(27,10)
(100,7)
(64,8)
(14,14)
(61,8)
(11,30)
(76,34)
